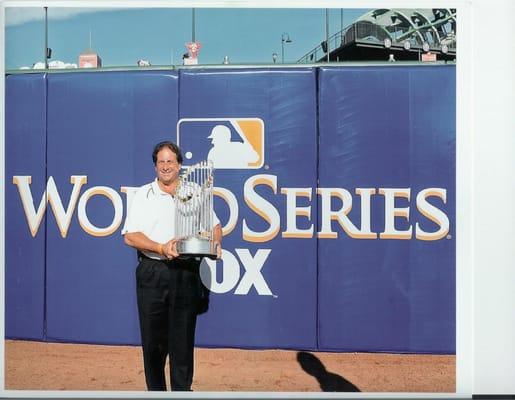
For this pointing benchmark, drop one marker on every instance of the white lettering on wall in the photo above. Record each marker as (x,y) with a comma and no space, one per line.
(335,206)
(391,212)
(62,216)
(116,201)
(293,211)
(262,207)
(252,275)
(232,203)
(432,213)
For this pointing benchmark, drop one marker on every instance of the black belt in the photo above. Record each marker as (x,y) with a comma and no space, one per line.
(180,261)
(143,256)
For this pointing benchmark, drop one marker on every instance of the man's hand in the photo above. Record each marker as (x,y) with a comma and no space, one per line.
(218,248)
(170,249)
(218,241)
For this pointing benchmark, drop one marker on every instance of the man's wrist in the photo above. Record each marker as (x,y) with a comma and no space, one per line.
(160,249)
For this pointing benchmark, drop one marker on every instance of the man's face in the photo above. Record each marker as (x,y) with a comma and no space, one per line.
(167,167)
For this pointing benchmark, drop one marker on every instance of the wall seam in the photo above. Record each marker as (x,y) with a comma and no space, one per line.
(45,193)
(317,119)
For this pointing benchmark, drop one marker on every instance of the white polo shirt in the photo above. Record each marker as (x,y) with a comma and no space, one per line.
(152,212)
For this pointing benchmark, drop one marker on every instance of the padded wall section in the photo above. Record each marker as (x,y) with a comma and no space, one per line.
(101,127)
(264,290)
(387,281)
(25,153)
(335,187)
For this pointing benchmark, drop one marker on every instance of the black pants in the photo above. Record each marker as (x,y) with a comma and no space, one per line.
(168,299)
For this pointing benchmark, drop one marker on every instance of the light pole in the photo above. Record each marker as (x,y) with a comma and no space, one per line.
(285,37)
(46,37)
(327,32)
(193,25)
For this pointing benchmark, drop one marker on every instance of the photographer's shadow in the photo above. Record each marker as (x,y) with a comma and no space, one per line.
(328,381)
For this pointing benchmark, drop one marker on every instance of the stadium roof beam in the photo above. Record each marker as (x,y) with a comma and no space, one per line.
(429,22)
(428,25)
(409,21)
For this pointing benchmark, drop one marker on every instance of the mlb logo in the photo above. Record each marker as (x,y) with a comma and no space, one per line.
(230,143)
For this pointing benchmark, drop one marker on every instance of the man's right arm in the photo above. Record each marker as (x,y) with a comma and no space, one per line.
(141,242)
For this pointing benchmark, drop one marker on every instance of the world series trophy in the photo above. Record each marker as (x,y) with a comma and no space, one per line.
(194,212)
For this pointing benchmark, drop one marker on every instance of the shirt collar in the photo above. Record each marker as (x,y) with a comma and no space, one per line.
(157,189)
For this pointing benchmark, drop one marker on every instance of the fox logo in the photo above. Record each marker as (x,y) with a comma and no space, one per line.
(230,143)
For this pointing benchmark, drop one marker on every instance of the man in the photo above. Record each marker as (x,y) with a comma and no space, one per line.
(168,288)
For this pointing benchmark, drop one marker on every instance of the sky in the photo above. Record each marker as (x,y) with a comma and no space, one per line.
(123,36)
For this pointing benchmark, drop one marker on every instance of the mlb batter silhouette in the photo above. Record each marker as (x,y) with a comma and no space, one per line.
(228,154)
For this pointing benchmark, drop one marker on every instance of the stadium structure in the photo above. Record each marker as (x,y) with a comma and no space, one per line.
(382,34)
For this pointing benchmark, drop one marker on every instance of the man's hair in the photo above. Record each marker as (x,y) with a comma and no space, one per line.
(171,145)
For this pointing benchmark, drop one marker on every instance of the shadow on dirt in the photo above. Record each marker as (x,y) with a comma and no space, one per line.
(328,381)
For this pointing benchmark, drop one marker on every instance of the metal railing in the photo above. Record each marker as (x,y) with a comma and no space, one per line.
(365,31)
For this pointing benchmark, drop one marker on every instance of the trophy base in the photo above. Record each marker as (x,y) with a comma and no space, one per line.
(196,247)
